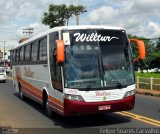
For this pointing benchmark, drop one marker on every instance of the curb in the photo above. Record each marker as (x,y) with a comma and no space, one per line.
(148,92)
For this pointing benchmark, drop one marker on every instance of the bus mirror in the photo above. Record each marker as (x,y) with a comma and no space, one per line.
(141,48)
(135,60)
(60,51)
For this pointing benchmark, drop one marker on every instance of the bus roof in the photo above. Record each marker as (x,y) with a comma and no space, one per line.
(88,27)
(69,28)
(74,27)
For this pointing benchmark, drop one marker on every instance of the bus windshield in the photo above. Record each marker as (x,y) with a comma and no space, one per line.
(98,59)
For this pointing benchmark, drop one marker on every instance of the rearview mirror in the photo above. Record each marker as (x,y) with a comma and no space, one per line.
(60,51)
(141,48)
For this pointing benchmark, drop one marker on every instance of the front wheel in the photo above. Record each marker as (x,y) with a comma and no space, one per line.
(47,108)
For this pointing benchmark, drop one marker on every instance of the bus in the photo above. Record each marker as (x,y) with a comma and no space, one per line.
(77,70)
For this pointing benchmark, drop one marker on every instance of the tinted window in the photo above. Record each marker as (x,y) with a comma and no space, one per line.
(21,53)
(27,53)
(17,55)
(43,50)
(55,68)
(13,56)
(34,51)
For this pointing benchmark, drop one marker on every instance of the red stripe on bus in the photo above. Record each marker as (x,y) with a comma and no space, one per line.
(56,106)
(25,89)
(37,92)
(31,87)
(52,99)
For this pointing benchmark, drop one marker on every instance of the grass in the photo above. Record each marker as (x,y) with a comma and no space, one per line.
(145,78)
(148,75)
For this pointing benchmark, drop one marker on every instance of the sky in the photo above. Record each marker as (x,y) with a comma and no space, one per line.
(138,17)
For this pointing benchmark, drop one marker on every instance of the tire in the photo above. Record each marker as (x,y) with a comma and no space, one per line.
(47,108)
(4,81)
(22,97)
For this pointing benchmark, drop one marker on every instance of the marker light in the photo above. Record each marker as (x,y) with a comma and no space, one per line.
(129,93)
(74,97)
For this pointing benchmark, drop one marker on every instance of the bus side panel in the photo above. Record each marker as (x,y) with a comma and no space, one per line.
(14,77)
(33,79)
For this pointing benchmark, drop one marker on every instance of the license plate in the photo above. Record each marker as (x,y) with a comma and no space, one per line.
(106,107)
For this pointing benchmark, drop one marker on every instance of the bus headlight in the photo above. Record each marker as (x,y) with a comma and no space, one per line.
(74,97)
(129,93)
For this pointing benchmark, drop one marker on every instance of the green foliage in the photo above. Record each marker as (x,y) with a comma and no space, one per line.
(158,45)
(58,15)
(154,56)
(152,59)
(148,75)
(146,78)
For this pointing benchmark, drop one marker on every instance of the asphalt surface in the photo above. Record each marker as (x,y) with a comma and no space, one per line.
(16,113)
(147,106)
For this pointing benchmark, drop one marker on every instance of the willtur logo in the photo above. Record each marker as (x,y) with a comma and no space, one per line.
(103,94)
(93,37)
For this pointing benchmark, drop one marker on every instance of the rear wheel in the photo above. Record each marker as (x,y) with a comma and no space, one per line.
(21,93)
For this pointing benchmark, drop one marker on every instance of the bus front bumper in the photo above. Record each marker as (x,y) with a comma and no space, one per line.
(72,108)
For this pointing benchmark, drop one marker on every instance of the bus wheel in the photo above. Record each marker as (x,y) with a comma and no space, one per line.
(21,93)
(46,106)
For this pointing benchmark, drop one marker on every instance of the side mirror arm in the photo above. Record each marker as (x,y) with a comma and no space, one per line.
(141,48)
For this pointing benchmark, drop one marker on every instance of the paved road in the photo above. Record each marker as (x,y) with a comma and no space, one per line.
(19,114)
(147,106)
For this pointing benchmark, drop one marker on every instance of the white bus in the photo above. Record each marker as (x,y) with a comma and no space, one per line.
(75,70)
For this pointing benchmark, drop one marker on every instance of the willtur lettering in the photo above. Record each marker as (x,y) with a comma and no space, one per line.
(92,37)
(103,93)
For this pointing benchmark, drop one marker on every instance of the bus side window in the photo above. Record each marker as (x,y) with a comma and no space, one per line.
(34,51)
(24,55)
(57,80)
(43,50)
(55,68)
(27,53)
(13,57)
(21,54)
(17,56)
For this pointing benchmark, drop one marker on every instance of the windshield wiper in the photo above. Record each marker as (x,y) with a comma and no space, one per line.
(99,68)
(88,88)
(115,81)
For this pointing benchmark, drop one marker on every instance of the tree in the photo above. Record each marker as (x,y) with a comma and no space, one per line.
(152,59)
(145,64)
(58,15)
(158,44)
(156,55)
